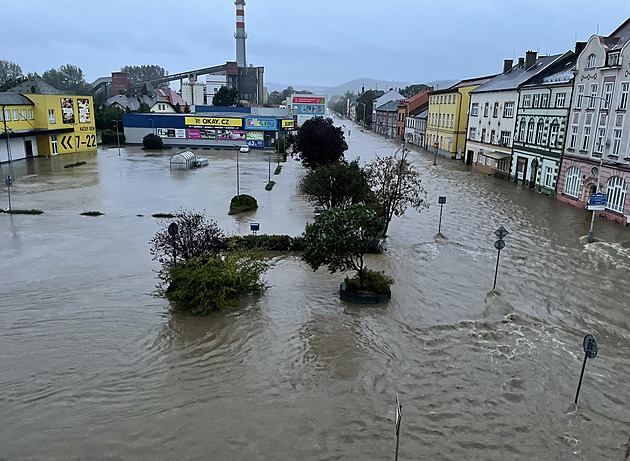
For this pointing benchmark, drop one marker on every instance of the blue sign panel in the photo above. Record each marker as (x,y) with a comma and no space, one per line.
(598,199)
(310,109)
(261,123)
(255,143)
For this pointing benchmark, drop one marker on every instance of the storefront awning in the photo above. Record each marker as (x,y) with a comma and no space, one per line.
(496,155)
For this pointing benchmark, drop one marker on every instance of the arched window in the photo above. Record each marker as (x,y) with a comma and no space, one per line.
(591,61)
(553,134)
(521,135)
(530,132)
(539,132)
(572,183)
(616,191)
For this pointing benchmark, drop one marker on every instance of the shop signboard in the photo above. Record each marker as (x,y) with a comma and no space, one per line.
(261,123)
(171,133)
(202,133)
(255,139)
(288,124)
(67,110)
(231,135)
(228,122)
(84,110)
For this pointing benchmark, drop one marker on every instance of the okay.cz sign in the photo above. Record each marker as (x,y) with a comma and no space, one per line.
(214,121)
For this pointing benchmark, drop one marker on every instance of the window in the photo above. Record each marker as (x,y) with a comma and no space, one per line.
(623,100)
(573,139)
(508,110)
(591,99)
(616,143)
(30,114)
(530,132)
(560,99)
(521,136)
(527,100)
(591,61)
(608,89)
(53,142)
(579,97)
(539,132)
(492,133)
(452,120)
(485,109)
(449,98)
(483,135)
(548,176)
(601,140)
(613,59)
(1,114)
(474,111)
(23,114)
(616,190)
(572,183)
(495,111)
(51,118)
(15,115)
(505,138)
(545,100)
(472,133)
(553,135)
(586,138)
(488,161)
(7,115)
(502,165)
(536,100)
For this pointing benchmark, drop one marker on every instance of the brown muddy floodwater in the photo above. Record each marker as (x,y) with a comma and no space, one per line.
(92,366)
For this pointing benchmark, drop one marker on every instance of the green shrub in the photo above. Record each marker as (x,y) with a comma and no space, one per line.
(278,169)
(374,282)
(202,285)
(152,141)
(163,215)
(91,213)
(242,203)
(267,242)
(270,185)
(109,137)
(21,211)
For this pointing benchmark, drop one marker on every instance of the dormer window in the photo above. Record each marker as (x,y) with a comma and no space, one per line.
(591,61)
(613,59)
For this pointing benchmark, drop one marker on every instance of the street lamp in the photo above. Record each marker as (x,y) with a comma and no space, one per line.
(437,136)
(590,237)
(363,104)
(117,136)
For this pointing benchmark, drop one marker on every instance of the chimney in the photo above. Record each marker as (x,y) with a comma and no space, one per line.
(521,61)
(579,47)
(240,34)
(530,59)
(507,65)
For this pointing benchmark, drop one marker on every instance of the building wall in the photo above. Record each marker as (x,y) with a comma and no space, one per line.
(447,119)
(587,120)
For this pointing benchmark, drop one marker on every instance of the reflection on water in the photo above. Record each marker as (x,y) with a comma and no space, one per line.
(94,367)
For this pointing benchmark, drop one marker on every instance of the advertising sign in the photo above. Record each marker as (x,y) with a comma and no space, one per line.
(214,121)
(202,133)
(310,109)
(261,123)
(171,133)
(231,135)
(255,139)
(67,110)
(288,123)
(84,110)
(309,100)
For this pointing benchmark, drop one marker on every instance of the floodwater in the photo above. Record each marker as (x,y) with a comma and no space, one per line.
(92,366)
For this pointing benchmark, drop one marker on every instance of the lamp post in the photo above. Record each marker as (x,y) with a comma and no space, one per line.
(238,186)
(363,104)
(590,237)
(437,136)
(117,136)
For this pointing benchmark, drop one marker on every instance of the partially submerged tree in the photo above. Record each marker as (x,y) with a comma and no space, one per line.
(340,239)
(396,186)
(337,185)
(319,142)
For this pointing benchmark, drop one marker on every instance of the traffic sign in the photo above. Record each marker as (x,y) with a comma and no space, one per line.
(398,413)
(8,180)
(598,198)
(173,229)
(590,346)
(499,244)
(441,200)
(501,232)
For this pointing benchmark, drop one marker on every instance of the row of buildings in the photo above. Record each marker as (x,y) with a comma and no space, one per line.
(554,123)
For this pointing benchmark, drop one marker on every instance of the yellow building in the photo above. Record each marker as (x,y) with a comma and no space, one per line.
(447,118)
(37,119)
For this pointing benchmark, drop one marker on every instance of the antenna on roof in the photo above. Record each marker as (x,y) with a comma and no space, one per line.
(597,33)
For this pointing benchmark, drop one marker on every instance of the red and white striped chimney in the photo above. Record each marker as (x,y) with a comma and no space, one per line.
(240,34)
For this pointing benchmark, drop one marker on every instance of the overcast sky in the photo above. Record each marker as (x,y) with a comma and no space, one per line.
(301,42)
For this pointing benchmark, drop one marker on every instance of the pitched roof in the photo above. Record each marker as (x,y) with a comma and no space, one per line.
(389,106)
(558,72)
(14,99)
(389,96)
(35,85)
(465,83)
(517,75)
(171,96)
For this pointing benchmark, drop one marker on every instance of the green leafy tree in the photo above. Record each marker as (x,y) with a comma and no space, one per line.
(337,185)
(152,141)
(319,142)
(275,98)
(340,105)
(340,239)
(287,92)
(107,117)
(367,98)
(146,73)
(225,97)
(413,90)
(10,75)
(68,78)
(396,186)
(144,108)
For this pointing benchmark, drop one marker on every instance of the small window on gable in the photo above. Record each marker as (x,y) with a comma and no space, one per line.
(591,61)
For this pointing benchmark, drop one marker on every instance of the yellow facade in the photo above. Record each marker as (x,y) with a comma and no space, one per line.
(68,120)
(447,118)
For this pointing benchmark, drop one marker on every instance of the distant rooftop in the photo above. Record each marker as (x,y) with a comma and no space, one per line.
(517,75)
(14,99)
(35,85)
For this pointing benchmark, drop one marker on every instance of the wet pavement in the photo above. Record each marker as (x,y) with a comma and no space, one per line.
(95,367)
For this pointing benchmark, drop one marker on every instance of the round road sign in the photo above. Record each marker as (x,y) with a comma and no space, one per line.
(499,244)
(590,346)
(172,229)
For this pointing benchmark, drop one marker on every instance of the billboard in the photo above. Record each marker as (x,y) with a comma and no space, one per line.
(308,106)
(231,135)
(256,139)
(202,133)
(309,100)
(171,133)
(261,123)
(67,110)
(310,109)
(85,115)
(288,124)
(214,121)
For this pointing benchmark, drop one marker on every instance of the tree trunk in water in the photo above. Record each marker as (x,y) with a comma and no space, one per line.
(627,458)
(360,277)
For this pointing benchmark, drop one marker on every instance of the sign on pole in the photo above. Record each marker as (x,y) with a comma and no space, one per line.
(590,352)
(597,201)
(398,420)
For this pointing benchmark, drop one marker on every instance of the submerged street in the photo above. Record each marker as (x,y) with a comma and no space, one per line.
(95,367)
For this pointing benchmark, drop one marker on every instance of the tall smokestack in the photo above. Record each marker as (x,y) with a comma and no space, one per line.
(240,34)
